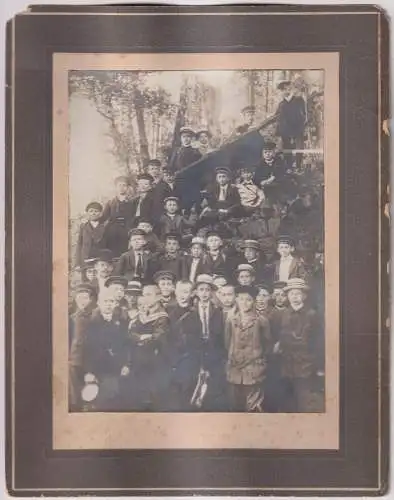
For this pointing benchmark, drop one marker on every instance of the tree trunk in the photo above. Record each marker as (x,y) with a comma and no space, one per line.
(139,114)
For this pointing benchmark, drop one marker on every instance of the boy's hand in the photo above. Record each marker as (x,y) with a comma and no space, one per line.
(125,371)
(89,378)
(276,349)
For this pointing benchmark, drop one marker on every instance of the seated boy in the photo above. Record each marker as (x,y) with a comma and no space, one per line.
(287,266)
(172,259)
(165,280)
(251,195)
(172,221)
(91,234)
(135,263)
(248,342)
(153,244)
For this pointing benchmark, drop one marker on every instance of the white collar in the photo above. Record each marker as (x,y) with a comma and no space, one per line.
(285,259)
(107,317)
(94,223)
(297,308)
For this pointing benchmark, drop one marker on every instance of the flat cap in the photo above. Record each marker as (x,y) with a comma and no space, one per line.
(94,205)
(116,280)
(160,275)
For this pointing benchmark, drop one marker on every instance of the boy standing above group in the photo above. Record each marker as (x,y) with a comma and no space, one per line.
(91,234)
(117,214)
(185,154)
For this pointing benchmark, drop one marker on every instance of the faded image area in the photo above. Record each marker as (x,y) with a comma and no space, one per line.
(196,241)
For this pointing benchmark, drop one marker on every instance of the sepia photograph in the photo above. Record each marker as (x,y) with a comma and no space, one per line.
(196,241)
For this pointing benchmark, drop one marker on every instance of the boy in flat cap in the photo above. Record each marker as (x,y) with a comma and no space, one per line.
(292,119)
(91,234)
(117,286)
(301,350)
(143,204)
(117,215)
(149,361)
(103,267)
(196,261)
(252,255)
(203,137)
(136,263)
(186,154)
(204,336)
(153,243)
(287,266)
(223,199)
(160,189)
(166,280)
(270,173)
(172,221)
(248,116)
(248,341)
(172,259)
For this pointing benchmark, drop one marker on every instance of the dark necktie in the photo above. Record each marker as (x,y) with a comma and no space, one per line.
(205,328)
(138,266)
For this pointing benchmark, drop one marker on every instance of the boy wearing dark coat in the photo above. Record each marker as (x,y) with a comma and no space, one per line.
(143,205)
(196,261)
(270,174)
(149,361)
(172,221)
(216,259)
(301,350)
(205,343)
(291,122)
(104,354)
(172,260)
(252,256)
(248,342)
(91,234)
(287,266)
(117,215)
(186,153)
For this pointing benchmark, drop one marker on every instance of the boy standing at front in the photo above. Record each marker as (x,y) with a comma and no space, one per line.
(91,234)
(248,341)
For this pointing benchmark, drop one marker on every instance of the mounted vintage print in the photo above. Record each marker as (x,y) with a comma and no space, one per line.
(193,220)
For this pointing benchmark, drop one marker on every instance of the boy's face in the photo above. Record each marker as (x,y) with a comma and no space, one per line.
(214,242)
(103,269)
(169,177)
(82,300)
(226,295)
(280,297)
(245,278)
(172,246)
(142,304)
(154,171)
(286,91)
(90,273)
(268,154)
(249,117)
(296,297)
(117,291)
(250,253)
(145,226)
(166,287)
(151,295)
(186,139)
(246,175)
(204,139)
(143,185)
(93,214)
(183,292)
(107,304)
(196,251)
(171,207)
(121,187)
(263,299)
(222,179)
(137,242)
(203,292)
(284,249)
(132,300)
(245,302)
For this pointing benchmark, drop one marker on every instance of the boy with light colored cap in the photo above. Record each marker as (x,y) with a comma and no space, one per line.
(196,262)
(248,342)
(301,349)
